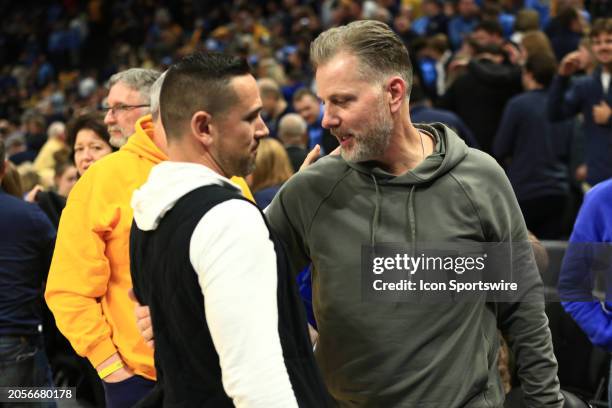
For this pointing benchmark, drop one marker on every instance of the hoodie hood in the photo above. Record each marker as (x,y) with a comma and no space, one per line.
(141,142)
(167,183)
(495,75)
(449,151)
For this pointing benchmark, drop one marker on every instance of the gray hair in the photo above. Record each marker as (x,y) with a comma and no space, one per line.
(291,126)
(139,79)
(269,87)
(380,51)
(56,129)
(155,92)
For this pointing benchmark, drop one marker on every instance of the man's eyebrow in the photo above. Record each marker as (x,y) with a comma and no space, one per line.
(252,114)
(341,95)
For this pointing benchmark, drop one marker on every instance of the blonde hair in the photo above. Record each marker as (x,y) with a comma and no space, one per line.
(272,165)
(379,50)
(11,181)
(536,42)
(269,68)
(29,176)
(526,20)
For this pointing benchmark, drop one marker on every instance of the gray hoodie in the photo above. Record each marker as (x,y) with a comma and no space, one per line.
(393,354)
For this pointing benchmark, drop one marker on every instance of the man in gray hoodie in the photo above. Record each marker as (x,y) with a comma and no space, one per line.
(396,182)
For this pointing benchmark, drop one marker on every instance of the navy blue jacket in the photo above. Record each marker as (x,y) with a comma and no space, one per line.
(539,149)
(568,99)
(425,114)
(26,246)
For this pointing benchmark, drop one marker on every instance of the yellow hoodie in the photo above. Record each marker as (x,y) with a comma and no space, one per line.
(89,279)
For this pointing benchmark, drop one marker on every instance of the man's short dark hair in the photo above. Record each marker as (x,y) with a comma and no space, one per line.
(198,82)
(601,26)
(567,15)
(492,49)
(490,27)
(542,66)
(302,92)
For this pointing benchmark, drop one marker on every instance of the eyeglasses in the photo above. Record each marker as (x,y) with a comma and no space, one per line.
(121,108)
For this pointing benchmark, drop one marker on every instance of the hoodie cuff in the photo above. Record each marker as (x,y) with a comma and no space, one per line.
(101,352)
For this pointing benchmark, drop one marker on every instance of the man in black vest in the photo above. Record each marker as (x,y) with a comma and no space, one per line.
(228,323)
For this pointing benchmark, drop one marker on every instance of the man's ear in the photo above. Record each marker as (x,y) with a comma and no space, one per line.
(201,127)
(396,88)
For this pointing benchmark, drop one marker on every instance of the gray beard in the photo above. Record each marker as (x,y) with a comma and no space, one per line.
(118,142)
(372,142)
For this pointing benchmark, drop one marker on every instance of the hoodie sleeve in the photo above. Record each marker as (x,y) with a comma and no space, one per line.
(80,272)
(287,217)
(523,323)
(235,261)
(576,280)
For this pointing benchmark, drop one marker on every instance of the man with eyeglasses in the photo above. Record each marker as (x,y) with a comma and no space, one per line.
(89,278)
(128,100)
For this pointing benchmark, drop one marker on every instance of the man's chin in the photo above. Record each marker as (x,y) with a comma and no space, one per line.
(117,141)
(349,155)
(246,169)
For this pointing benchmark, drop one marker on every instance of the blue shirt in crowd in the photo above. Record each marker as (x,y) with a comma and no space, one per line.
(26,246)
(538,149)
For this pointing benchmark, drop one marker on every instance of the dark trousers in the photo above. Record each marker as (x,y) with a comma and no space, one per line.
(126,393)
(544,216)
(23,363)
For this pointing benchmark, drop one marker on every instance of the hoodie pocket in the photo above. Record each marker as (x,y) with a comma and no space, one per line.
(489,369)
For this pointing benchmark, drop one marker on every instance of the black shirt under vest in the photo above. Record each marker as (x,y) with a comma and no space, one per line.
(187,363)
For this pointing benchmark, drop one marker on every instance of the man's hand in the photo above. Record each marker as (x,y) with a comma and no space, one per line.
(143,320)
(571,63)
(581,172)
(119,375)
(601,113)
(31,196)
(314,154)
(311,157)
(514,55)
(314,334)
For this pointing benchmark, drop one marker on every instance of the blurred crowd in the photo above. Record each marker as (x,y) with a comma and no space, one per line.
(467,56)
(496,71)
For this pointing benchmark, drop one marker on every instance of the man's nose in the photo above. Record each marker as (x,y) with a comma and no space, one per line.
(330,120)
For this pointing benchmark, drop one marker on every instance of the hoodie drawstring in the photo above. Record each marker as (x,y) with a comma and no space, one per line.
(375,219)
(412,218)
(411,215)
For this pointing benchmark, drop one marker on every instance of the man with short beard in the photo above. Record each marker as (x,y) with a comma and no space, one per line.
(228,322)
(404,183)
